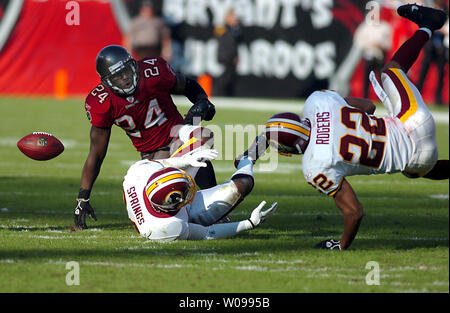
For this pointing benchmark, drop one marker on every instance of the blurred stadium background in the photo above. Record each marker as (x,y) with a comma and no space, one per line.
(288,48)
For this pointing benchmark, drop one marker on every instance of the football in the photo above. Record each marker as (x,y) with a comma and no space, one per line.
(40,146)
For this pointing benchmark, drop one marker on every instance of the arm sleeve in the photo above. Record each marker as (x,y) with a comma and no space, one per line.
(217,231)
(193,91)
(189,88)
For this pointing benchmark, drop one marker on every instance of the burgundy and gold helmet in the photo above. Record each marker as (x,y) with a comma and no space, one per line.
(170,189)
(286,132)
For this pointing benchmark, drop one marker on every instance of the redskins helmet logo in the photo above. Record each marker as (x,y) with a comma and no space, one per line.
(170,189)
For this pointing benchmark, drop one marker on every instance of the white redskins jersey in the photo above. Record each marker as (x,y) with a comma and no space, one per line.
(345,141)
(148,222)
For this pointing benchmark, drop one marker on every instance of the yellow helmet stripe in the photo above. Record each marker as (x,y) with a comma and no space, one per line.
(289,126)
(162,181)
(187,144)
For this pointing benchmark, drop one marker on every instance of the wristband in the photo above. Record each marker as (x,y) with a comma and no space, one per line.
(253,225)
(84,194)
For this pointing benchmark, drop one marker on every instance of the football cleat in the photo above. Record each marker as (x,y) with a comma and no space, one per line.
(170,189)
(256,150)
(430,18)
(286,132)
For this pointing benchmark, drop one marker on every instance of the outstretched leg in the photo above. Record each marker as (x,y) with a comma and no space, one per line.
(214,204)
(255,151)
(407,103)
(428,20)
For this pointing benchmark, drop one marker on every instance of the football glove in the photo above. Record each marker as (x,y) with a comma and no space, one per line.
(258,216)
(83,207)
(329,244)
(203,109)
(195,158)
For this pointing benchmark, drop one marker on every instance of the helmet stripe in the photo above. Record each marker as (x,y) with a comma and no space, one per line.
(164,174)
(290,121)
(289,131)
(297,127)
(162,180)
(165,184)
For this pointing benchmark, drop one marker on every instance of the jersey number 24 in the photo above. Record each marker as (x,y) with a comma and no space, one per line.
(154,116)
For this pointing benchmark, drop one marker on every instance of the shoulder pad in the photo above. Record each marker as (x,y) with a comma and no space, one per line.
(98,100)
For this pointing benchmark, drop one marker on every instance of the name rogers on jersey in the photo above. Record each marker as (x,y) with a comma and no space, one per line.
(135,205)
(323,128)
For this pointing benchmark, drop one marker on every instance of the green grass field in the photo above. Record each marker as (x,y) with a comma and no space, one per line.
(405,230)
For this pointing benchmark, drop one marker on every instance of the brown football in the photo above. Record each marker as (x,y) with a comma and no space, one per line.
(40,146)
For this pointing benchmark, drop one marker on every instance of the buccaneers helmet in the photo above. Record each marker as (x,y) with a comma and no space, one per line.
(118,70)
(170,189)
(286,132)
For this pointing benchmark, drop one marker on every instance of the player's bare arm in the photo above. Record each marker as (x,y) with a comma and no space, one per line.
(352,212)
(99,139)
(362,104)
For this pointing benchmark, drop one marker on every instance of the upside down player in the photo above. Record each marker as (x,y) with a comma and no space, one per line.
(163,204)
(339,137)
(136,96)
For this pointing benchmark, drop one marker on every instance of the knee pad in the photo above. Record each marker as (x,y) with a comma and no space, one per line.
(210,205)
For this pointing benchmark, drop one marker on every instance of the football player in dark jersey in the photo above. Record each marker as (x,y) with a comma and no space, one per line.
(136,96)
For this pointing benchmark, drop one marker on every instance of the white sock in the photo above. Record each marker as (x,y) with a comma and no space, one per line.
(244,167)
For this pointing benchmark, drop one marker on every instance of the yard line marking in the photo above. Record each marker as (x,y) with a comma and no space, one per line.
(209,255)
(439,196)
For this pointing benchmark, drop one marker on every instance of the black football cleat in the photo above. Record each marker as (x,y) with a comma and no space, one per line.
(256,150)
(431,18)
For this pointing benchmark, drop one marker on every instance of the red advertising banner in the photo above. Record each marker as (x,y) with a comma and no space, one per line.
(53,47)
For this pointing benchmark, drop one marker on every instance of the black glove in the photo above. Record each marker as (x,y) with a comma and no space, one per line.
(329,244)
(202,109)
(83,207)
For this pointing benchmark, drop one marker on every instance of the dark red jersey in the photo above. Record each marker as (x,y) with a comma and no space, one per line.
(148,116)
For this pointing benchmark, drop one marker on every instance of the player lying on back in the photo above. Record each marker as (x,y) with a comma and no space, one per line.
(340,137)
(163,203)
(136,96)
